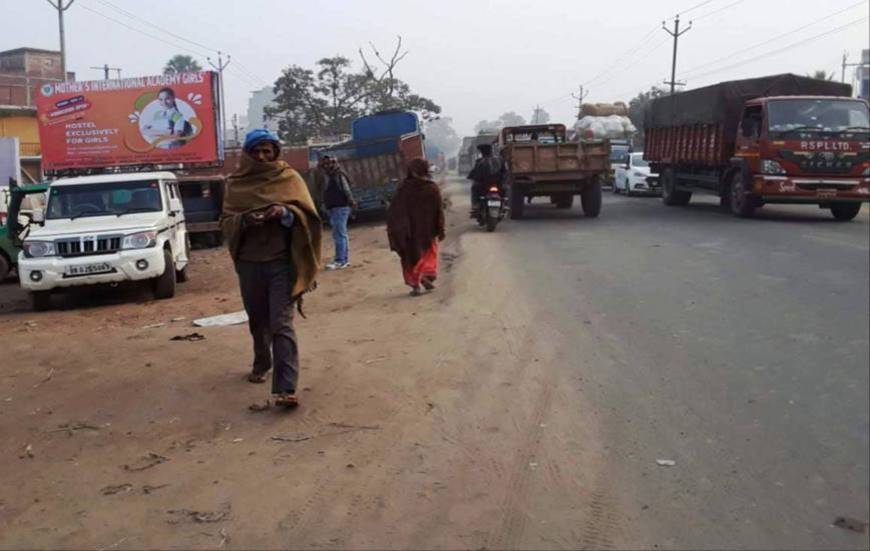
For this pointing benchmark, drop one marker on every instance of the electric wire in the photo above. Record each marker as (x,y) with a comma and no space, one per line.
(731,55)
(784,48)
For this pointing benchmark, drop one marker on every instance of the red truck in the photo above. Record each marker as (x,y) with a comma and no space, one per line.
(776,139)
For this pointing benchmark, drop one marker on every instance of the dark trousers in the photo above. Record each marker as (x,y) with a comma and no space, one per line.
(266,288)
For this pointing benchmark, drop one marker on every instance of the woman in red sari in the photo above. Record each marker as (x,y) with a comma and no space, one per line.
(415,225)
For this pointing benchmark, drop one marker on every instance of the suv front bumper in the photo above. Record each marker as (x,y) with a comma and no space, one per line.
(55,271)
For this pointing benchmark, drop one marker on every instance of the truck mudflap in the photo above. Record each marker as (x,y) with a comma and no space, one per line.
(799,189)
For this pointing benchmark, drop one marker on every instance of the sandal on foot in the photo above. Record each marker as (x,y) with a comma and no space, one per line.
(428,283)
(287,400)
(416,292)
(257,378)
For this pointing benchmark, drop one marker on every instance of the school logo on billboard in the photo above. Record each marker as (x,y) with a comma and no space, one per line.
(47,90)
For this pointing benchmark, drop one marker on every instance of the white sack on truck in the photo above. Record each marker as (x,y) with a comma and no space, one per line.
(613,127)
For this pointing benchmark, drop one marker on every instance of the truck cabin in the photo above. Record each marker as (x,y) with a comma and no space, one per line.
(533,135)
(803,117)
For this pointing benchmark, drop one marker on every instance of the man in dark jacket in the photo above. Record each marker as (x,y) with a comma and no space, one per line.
(337,199)
(488,171)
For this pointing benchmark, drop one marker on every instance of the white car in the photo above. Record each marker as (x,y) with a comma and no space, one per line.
(634,176)
(106,229)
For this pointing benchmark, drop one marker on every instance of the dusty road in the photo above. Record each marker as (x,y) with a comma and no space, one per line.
(522,405)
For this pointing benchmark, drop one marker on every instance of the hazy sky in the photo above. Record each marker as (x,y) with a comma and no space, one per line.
(476,58)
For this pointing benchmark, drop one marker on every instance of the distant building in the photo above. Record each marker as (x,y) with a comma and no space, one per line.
(862,74)
(257,110)
(22,72)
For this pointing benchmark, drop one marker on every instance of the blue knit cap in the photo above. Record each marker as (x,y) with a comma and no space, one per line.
(259,135)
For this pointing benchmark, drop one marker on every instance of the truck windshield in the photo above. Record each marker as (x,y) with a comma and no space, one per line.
(618,153)
(817,115)
(111,198)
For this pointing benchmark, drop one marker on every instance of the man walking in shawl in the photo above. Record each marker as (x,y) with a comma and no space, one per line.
(415,225)
(273,233)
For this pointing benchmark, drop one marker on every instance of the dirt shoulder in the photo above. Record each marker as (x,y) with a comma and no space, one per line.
(423,420)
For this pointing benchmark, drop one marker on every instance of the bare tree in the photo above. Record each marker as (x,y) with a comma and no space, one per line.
(387,79)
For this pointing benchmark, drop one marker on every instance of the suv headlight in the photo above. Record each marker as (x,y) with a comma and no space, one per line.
(38,249)
(771,167)
(141,240)
(639,174)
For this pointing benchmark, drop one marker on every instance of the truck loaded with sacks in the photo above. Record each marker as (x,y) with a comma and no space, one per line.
(776,139)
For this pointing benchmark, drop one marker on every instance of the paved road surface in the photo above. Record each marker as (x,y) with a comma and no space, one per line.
(736,348)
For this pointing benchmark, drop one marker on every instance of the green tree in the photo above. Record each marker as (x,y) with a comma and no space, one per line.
(324,101)
(181,64)
(440,133)
(637,110)
(821,75)
(539,116)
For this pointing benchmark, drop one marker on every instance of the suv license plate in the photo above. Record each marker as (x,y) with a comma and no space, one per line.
(88,269)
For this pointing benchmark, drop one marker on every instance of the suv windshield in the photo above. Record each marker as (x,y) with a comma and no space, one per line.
(637,160)
(111,198)
(817,115)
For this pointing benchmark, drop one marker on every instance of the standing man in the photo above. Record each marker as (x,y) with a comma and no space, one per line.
(272,230)
(338,201)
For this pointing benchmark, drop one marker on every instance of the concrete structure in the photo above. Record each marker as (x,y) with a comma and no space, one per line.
(862,74)
(256,110)
(22,71)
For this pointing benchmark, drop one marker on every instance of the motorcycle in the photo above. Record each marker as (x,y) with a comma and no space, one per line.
(491,209)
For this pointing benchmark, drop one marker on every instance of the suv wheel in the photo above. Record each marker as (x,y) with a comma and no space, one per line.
(164,284)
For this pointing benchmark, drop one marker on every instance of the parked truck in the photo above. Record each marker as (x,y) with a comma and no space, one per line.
(376,158)
(541,162)
(776,139)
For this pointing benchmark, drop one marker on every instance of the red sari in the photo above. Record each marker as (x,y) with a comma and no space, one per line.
(415,224)
(427,267)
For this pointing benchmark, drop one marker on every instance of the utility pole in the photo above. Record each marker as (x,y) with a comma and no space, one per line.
(60,7)
(220,69)
(580,97)
(105,68)
(676,34)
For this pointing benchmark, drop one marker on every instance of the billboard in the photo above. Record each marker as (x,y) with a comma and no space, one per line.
(164,119)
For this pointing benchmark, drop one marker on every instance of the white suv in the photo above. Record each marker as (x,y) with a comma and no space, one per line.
(106,229)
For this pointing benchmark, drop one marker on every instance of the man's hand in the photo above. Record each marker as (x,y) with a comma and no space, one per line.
(256,218)
(274,212)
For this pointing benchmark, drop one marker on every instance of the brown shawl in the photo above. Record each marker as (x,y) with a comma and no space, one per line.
(415,219)
(256,185)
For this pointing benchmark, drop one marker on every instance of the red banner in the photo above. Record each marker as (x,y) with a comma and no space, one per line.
(163,119)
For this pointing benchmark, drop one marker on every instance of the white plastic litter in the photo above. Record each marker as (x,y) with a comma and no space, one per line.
(222,320)
(666,462)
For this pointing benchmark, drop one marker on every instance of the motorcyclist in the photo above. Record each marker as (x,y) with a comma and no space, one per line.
(488,171)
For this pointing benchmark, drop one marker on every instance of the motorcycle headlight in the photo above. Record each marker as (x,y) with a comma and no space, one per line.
(38,249)
(141,240)
(771,167)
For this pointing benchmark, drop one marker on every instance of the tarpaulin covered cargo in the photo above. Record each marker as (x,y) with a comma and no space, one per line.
(723,102)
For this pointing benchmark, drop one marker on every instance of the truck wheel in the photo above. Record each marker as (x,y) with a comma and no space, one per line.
(41,300)
(742,202)
(590,199)
(845,211)
(5,266)
(564,201)
(671,196)
(517,204)
(164,285)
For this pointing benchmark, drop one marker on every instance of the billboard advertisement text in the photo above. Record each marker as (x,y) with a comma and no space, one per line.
(164,119)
